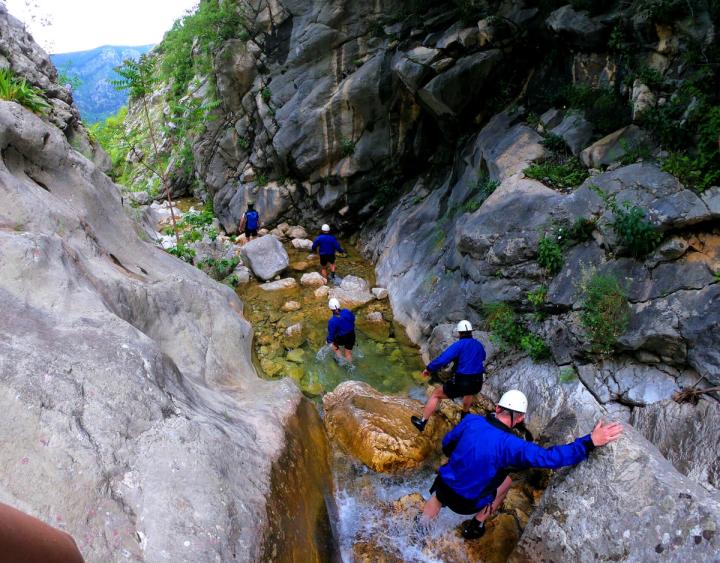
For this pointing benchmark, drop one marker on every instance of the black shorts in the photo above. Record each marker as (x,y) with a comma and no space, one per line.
(455,502)
(463,385)
(327,259)
(251,233)
(347,340)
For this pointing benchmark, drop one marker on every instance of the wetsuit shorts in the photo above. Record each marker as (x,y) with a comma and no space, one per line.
(327,259)
(251,233)
(462,385)
(346,340)
(455,502)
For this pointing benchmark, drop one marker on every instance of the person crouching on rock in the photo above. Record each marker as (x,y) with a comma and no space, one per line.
(341,330)
(466,382)
(250,221)
(328,246)
(482,451)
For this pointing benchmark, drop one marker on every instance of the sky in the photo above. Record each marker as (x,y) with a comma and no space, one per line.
(65,26)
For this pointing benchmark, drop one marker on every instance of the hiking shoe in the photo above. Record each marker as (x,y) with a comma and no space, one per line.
(418,423)
(472,529)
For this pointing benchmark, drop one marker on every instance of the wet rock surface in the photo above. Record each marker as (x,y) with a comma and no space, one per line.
(376,429)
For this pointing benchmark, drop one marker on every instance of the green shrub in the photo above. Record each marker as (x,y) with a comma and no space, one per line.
(560,175)
(223,268)
(197,219)
(503,323)
(243,143)
(606,312)
(635,233)
(605,109)
(581,230)
(550,255)
(232,280)
(484,187)
(16,89)
(192,235)
(347,147)
(537,296)
(113,139)
(183,252)
(266,94)
(568,374)
(535,346)
(555,143)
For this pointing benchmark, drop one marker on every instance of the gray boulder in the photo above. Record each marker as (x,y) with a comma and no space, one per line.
(686,434)
(625,503)
(575,130)
(266,257)
(615,146)
(576,26)
(448,94)
(132,411)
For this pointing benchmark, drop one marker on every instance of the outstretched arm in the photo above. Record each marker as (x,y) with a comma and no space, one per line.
(526,454)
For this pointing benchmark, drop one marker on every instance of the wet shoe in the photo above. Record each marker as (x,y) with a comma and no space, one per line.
(472,529)
(418,423)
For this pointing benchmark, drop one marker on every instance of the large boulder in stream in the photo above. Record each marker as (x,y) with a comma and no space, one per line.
(131,414)
(376,428)
(266,257)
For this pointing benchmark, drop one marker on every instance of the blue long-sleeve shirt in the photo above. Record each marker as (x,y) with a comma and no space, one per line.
(483,451)
(340,325)
(468,354)
(328,245)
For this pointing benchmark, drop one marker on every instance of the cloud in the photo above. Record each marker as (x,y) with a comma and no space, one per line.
(78,25)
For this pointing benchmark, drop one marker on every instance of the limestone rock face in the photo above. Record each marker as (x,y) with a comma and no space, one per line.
(376,428)
(131,411)
(635,506)
(266,257)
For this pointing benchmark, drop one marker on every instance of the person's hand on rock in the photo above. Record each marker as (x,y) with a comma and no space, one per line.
(603,433)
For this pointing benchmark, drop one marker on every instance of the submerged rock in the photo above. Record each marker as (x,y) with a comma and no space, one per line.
(376,428)
(266,257)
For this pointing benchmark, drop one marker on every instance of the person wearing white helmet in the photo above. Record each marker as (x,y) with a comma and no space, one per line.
(328,245)
(466,382)
(482,452)
(341,330)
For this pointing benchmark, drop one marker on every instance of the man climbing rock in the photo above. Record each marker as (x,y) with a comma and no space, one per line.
(341,330)
(482,452)
(466,382)
(250,221)
(328,246)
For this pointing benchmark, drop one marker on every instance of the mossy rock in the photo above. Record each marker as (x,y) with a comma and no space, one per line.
(296,356)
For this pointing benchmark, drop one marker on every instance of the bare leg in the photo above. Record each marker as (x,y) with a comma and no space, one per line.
(337,351)
(467,401)
(348,355)
(431,509)
(433,402)
(332,268)
(323,272)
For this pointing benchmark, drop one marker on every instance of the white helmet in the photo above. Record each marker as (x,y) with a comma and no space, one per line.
(325,228)
(464,326)
(514,400)
(334,304)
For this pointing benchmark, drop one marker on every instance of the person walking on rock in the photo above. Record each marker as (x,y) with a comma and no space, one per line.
(328,246)
(341,330)
(466,382)
(250,221)
(482,451)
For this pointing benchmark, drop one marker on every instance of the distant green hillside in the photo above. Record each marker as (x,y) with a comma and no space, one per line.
(91,72)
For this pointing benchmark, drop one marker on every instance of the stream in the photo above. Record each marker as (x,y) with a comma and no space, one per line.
(373,514)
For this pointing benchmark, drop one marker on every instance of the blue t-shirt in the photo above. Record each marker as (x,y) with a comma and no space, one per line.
(340,325)
(251,220)
(483,451)
(468,355)
(328,244)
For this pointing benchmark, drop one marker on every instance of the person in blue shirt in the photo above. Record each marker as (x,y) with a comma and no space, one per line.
(250,221)
(341,330)
(328,246)
(482,451)
(466,382)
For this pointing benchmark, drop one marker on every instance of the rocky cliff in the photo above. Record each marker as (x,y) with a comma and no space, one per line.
(132,416)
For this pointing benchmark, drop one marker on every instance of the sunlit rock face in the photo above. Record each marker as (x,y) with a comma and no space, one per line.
(376,428)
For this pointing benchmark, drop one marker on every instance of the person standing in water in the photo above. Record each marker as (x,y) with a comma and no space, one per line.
(250,221)
(341,330)
(483,451)
(466,382)
(328,245)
